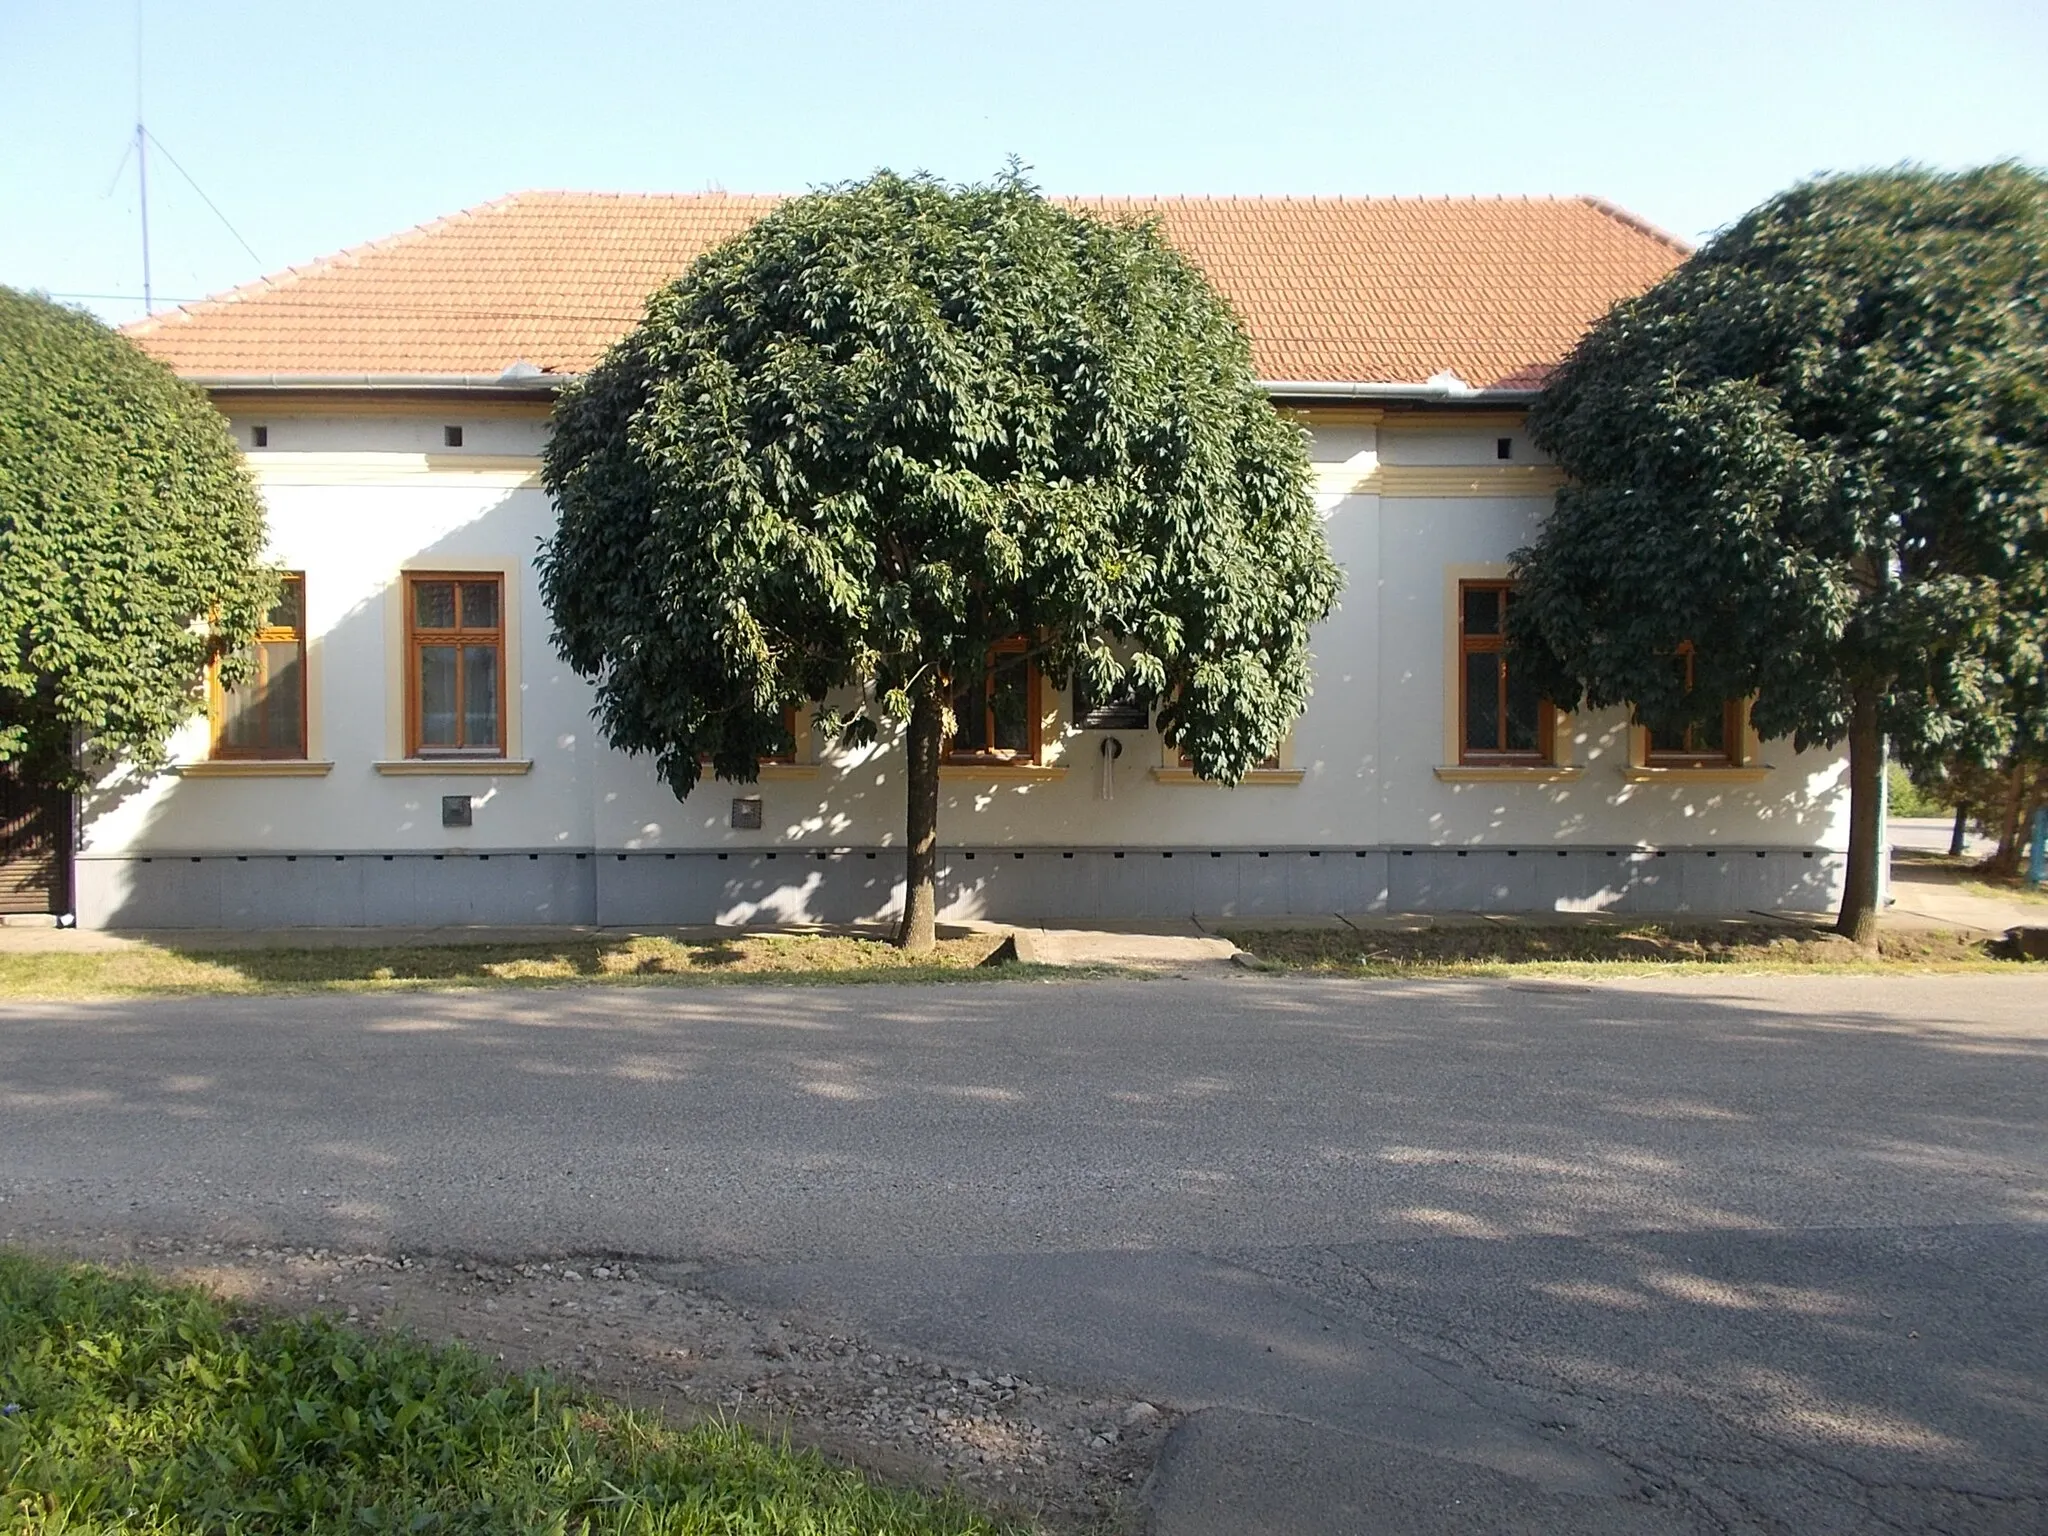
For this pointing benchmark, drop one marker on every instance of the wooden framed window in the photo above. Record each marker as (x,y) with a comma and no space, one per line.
(455,664)
(1715,742)
(788,752)
(996,714)
(789,725)
(1125,707)
(263,717)
(1501,717)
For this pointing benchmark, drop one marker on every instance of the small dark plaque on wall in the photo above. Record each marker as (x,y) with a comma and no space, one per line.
(746,813)
(455,811)
(1124,708)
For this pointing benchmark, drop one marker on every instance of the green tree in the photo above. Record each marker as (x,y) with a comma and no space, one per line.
(129,533)
(896,424)
(1818,454)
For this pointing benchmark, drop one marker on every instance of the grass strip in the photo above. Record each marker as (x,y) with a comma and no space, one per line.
(133,1407)
(1594,949)
(629,960)
(2006,890)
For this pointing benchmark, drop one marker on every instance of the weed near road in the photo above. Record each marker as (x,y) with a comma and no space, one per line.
(637,959)
(128,1406)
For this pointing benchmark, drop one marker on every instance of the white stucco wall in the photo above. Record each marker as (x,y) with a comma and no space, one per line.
(355,498)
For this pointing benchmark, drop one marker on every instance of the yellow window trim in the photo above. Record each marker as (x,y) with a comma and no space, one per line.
(1003,773)
(1509,773)
(473,767)
(1258,776)
(254,768)
(1699,773)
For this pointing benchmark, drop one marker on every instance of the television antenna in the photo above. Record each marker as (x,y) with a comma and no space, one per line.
(138,145)
(142,166)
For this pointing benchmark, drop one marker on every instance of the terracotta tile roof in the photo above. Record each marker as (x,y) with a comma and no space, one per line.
(1381,290)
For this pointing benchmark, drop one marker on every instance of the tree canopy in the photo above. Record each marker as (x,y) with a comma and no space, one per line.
(896,424)
(1817,454)
(129,533)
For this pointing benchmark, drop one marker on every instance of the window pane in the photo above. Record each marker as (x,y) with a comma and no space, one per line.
(241,706)
(1525,713)
(1482,701)
(290,608)
(970,716)
(1711,734)
(433,604)
(1483,610)
(1010,703)
(437,696)
(1667,740)
(479,605)
(479,695)
(283,680)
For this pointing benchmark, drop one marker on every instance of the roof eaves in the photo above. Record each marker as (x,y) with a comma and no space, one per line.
(1447,390)
(550,383)
(508,383)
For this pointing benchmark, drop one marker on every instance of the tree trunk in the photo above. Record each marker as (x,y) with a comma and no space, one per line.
(1858,920)
(921,742)
(1958,838)
(2006,861)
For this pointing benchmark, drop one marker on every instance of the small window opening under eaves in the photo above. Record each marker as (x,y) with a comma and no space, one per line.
(259,437)
(1504,448)
(451,437)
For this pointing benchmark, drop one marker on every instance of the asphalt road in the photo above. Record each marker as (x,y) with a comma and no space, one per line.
(1763,1254)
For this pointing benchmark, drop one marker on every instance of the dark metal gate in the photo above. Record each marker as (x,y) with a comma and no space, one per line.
(35,846)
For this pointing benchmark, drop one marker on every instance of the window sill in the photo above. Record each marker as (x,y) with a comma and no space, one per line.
(254,768)
(1272,777)
(1509,773)
(427,767)
(1003,773)
(1696,773)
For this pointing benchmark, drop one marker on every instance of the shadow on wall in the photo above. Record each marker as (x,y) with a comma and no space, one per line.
(345,848)
(1795,806)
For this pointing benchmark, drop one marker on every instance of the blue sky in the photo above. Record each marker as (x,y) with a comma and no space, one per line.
(318,126)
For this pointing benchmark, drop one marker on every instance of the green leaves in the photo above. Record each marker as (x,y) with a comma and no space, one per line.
(129,531)
(148,1410)
(1819,452)
(898,422)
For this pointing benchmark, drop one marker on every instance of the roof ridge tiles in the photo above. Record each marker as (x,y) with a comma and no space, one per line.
(1637,222)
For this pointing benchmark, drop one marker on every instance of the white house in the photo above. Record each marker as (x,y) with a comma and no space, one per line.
(417,753)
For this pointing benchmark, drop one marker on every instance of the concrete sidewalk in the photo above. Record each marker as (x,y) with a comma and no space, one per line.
(1929,894)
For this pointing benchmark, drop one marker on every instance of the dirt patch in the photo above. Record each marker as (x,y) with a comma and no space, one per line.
(646,1334)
